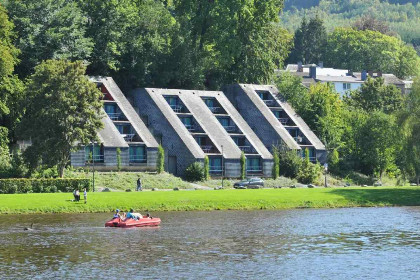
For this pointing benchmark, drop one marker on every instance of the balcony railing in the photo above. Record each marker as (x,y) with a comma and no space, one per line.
(177,108)
(207,148)
(138,158)
(114,116)
(95,159)
(128,137)
(254,169)
(230,128)
(191,127)
(218,169)
(216,110)
(283,121)
(270,102)
(247,149)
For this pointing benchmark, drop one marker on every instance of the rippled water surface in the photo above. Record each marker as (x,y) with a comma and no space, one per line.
(358,243)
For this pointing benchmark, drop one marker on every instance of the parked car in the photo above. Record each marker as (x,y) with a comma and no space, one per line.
(249,183)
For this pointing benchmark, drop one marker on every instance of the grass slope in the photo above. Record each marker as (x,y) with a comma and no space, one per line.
(212,200)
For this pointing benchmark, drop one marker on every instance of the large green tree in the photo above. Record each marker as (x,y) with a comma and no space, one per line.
(375,95)
(376,143)
(48,29)
(359,50)
(234,40)
(309,41)
(409,121)
(10,85)
(63,110)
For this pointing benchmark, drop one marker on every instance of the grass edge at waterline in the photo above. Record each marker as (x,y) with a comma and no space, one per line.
(201,200)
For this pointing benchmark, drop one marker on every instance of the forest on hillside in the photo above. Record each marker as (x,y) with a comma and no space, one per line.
(402,16)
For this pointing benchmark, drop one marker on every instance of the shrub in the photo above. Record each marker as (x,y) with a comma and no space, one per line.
(276,165)
(243,166)
(118,159)
(194,172)
(290,163)
(206,168)
(161,160)
(309,173)
(43,185)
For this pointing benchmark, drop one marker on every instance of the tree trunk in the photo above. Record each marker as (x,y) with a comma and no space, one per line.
(61,171)
(418,179)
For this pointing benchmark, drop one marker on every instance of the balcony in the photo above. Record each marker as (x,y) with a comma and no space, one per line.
(230,128)
(283,121)
(138,158)
(247,149)
(254,169)
(95,159)
(217,110)
(209,149)
(270,103)
(218,169)
(128,137)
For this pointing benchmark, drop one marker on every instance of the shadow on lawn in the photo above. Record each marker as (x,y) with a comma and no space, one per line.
(397,197)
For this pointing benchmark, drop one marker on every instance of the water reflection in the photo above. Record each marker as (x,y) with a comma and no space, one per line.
(373,243)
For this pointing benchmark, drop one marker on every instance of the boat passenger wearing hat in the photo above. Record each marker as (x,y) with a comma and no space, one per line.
(117,214)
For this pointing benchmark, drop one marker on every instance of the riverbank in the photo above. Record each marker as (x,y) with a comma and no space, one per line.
(201,200)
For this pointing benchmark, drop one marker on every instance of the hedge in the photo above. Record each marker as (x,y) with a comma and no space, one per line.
(43,185)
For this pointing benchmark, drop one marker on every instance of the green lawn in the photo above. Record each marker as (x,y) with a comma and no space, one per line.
(212,200)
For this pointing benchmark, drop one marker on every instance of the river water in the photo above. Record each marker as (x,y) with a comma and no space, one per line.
(357,243)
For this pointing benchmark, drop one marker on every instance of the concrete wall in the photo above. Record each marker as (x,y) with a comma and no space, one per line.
(163,131)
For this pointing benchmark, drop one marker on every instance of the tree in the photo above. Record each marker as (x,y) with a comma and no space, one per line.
(409,123)
(368,22)
(206,169)
(63,110)
(10,85)
(376,143)
(194,172)
(292,90)
(243,166)
(276,163)
(309,41)
(375,95)
(370,50)
(48,29)
(234,40)
(161,160)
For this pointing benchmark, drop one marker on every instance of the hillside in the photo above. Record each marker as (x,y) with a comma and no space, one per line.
(402,16)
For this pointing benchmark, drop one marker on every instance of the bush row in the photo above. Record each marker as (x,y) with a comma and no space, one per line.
(43,185)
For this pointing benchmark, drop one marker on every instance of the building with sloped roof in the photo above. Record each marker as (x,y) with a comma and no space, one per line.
(124,130)
(273,120)
(192,124)
(343,80)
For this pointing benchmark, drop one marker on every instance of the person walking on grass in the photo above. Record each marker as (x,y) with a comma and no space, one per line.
(138,185)
(85,195)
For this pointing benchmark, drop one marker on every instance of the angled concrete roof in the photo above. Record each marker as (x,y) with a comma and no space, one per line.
(109,136)
(236,117)
(262,107)
(157,96)
(287,138)
(128,110)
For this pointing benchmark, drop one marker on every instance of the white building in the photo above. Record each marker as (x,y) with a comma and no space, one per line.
(343,80)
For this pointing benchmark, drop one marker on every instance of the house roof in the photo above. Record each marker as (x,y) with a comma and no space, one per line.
(109,135)
(128,110)
(251,89)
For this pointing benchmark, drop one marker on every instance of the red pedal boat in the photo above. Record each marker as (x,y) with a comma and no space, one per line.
(144,222)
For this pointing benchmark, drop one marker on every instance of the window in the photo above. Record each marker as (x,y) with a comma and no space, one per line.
(110,109)
(209,102)
(173,101)
(137,154)
(346,86)
(224,121)
(95,153)
(253,164)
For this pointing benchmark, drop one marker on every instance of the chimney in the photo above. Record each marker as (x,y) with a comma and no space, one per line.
(370,73)
(300,66)
(350,73)
(321,64)
(364,75)
(312,71)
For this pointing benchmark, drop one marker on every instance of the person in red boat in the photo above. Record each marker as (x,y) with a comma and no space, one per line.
(117,214)
(132,215)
